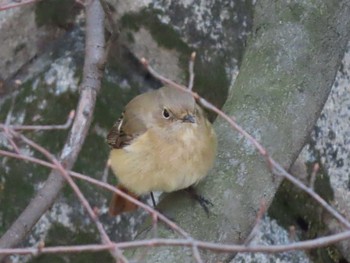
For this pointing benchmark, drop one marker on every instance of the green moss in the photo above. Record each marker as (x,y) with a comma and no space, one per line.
(297,11)
(293,13)
(211,82)
(319,24)
(5,107)
(56,13)
(165,35)
(322,185)
(16,175)
(110,103)
(24,176)
(130,37)
(55,112)
(62,236)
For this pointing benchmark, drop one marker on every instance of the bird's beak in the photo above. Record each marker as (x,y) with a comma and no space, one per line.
(189,118)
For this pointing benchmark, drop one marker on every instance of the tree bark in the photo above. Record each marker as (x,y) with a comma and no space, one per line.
(284,80)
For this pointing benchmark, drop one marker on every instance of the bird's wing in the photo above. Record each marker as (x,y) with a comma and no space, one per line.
(128,127)
(135,120)
(116,138)
(122,133)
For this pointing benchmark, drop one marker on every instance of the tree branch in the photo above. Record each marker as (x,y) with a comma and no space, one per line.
(92,74)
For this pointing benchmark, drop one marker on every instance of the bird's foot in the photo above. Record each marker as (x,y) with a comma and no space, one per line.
(204,203)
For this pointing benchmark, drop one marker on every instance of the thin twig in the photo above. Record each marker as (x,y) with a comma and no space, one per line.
(258,219)
(8,122)
(159,242)
(104,237)
(191,71)
(324,241)
(292,233)
(155,225)
(196,254)
(44,127)
(10,139)
(313,175)
(106,171)
(70,181)
(17,3)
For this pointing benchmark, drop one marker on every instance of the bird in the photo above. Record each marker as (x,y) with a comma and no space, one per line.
(163,141)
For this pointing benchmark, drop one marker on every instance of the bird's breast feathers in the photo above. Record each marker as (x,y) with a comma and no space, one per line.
(165,161)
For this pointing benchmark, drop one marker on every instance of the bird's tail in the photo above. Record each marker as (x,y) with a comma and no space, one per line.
(119,204)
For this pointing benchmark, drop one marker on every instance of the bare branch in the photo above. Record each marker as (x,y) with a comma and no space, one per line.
(64,173)
(158,242)
(313,175)
(191,72)
(7,4)
(259,217)
(92,74)
(44,127)
(196,254)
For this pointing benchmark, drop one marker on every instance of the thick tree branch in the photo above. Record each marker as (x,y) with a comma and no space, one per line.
(92,74)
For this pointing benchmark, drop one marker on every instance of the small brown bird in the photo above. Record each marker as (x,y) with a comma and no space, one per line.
(162,142)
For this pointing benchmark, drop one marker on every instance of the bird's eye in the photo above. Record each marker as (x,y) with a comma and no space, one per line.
(166,114)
